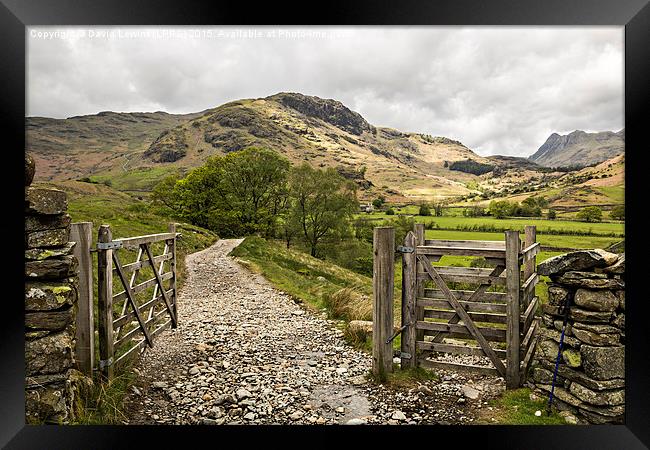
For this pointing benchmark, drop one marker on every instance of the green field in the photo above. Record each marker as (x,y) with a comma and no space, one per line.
(144,178)
(550,240)
(615,229)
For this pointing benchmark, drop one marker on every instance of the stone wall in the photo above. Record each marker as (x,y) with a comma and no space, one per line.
(51,287)
(591,378)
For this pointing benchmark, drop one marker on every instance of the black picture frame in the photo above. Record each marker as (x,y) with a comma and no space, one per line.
(16,15)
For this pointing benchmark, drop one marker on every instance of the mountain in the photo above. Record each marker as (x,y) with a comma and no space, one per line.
(579,148)
(82,145)
(135,150)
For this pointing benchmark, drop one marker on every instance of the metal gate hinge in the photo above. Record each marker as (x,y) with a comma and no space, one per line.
(105,363)
(403,249)
(109,245)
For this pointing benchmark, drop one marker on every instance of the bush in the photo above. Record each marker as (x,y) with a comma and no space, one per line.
(590,214)
(618,213)
(390,212)
(502,209)
(474,211)
(378,202)
(424,210)
(551,214)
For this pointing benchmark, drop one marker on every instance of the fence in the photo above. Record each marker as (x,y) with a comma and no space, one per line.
(466,318)
(128,320)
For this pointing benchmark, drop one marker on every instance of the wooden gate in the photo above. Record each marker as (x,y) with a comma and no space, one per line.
(486,312)
(142,308)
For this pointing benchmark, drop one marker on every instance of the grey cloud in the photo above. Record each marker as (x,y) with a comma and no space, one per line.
(500,90)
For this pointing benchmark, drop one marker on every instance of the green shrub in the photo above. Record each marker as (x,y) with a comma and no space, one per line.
(424,210)
(590,214)
(390,212)
(618,213)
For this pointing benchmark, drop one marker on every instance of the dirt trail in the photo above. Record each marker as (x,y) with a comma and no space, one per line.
(246,353)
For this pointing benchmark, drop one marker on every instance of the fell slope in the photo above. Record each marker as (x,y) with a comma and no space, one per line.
(322,132)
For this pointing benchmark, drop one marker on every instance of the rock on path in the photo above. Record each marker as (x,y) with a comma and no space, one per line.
(246,353)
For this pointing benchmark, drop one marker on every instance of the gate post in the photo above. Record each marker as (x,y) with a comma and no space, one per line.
(81,233)
(512,308)
(105,303)
(382,308)
(409,283)
(418,229)
(172,229)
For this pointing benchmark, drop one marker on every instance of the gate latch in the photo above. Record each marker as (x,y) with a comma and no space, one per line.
(390,339)
(403,249)
(105,363)
(109,245)
(405,355)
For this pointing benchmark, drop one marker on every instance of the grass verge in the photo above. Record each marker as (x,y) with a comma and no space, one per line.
(515,407)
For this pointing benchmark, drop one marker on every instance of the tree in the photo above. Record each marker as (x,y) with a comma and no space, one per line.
(502,208)
(551,214)
(253,184)
(590,214)
(241,193)
(379,202)
(618,212)
(530,207)
(473,211)
(164,193)
(424,210)
(438,208)
(322,203)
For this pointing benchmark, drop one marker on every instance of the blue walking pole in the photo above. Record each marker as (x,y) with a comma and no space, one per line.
(565,309)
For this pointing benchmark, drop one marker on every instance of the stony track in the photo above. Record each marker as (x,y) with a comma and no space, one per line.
(246,353)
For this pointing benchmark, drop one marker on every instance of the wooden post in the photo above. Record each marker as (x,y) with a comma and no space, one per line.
(409,283)
(172,249)
(105,303)
(418,229)
(530,237)
(382,308)
(81,233)
(512,309)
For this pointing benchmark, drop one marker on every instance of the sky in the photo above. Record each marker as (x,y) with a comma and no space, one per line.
(498,90)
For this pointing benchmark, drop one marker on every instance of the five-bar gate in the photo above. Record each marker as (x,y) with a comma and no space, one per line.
(130,319)
(485,312)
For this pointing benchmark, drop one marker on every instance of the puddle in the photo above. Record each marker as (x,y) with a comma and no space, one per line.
(325,400)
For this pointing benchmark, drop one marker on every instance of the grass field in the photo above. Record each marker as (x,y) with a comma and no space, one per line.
(543,225)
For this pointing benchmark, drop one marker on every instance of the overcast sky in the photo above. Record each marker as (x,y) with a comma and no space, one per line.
(499,90)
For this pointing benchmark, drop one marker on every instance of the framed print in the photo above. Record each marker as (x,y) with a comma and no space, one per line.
(407,218)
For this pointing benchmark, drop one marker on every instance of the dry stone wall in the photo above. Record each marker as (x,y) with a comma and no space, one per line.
(51,288)
(591,376)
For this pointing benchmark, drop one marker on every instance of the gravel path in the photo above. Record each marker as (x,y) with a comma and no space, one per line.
(246,353)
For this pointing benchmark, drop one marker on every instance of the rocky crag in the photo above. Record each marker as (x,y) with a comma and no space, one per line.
(590,383)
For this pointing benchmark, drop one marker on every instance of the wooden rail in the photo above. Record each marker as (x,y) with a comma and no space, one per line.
(430,315)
